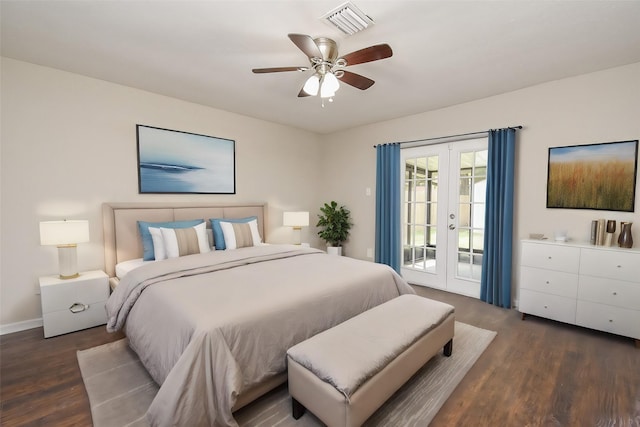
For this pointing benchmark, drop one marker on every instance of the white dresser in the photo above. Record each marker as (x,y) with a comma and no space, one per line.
(593,286)
(72,304)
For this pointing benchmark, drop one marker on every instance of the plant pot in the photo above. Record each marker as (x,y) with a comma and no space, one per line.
(334,250)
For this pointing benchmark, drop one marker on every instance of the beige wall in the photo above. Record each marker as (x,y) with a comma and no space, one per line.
(69,144)
(592,108)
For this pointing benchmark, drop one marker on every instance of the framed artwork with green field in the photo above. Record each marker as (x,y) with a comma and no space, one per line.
(593,176)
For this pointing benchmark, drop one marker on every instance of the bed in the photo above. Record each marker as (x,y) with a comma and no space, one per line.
(213,328)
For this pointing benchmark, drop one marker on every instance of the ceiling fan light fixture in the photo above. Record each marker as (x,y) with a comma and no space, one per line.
(312,85)
(348,18)
(330,83)
(326,92)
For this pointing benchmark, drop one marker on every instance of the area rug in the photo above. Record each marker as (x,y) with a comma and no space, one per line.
(120,390)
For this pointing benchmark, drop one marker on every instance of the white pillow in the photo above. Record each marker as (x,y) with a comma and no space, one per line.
(240,234)
(185,241)
(158,243)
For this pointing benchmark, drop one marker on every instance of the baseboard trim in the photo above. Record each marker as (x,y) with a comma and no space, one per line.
(10,328)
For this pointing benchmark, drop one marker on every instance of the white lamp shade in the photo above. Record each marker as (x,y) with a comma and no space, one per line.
(329,85)
(60,233)
(331,82)
(312,85)
(295,219)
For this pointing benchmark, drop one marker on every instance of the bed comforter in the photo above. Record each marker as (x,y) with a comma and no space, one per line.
(209,326)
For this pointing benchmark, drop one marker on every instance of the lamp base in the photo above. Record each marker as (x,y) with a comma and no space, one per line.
(296,235)
(68,261)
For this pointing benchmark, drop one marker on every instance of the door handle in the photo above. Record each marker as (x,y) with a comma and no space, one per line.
(452,227)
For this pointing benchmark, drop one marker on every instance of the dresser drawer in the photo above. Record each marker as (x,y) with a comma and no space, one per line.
(551,257)
(611,264)
(611,292)
(545,305)
(549,281)
(64,321)
(607,318)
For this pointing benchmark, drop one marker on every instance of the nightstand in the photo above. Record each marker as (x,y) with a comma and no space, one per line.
(72,304)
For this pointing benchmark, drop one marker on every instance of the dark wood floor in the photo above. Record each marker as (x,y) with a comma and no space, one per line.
(535,373)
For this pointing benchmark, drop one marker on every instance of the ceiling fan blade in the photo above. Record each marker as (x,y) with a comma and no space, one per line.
(368,54)
(306,44)
(356,80)
(278,69)
(302,93)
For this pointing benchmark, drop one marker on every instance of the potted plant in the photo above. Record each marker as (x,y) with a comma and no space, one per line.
(334,223)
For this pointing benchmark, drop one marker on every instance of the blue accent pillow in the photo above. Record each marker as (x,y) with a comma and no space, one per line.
(147,242)
(218,236)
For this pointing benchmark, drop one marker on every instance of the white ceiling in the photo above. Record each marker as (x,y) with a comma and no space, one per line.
(445,52)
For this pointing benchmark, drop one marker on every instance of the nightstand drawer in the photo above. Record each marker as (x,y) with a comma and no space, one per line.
(606,318)
(89,288)
(64,321)
(551,257)
(550,306)
(549,281)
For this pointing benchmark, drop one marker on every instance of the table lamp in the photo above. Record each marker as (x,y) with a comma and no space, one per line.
(297,220)
(65,235)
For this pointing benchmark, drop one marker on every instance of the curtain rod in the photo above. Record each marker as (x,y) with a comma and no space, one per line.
(451,136)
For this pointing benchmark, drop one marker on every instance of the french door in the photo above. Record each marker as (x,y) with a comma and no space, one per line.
(443,208)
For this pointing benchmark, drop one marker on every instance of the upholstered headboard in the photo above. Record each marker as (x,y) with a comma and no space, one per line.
(122,239)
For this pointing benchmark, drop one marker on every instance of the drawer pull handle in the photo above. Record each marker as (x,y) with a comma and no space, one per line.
(610,320)
(615,293)
(549,257)
(546,306)
(619,266)
(78,307)
(547,282)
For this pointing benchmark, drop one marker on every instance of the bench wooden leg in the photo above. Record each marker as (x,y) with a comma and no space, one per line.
(448,348)
(297,408)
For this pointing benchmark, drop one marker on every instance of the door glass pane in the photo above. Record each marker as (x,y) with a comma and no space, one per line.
(471,211)
(421,168)
(464,215)
(432,164)
(430,261)
(465,189)
(420,213)
(432,213)
(464,265)
(463,240)
(478,241)
(431,236)
(481,158)
(421,191)
(476,268)
(409,170)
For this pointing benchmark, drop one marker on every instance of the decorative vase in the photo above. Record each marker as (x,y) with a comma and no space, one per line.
(611,228)
(625,240)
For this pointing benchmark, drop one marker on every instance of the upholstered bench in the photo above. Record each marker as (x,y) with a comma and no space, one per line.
(343,375)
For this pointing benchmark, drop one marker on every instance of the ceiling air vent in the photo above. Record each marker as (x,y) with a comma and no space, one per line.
(348,18)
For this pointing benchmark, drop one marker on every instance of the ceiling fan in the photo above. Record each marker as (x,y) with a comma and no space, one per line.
(328,67)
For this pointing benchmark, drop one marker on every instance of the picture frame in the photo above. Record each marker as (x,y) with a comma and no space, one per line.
(593,176)
(172,161)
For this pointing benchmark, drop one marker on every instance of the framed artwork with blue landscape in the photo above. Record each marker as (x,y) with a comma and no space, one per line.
(171,161)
